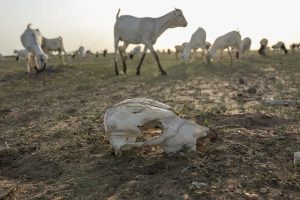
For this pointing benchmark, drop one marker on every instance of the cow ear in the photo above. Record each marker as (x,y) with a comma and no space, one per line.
(174,12)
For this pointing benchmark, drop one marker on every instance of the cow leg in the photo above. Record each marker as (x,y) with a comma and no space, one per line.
(221,53)
(61,57)
(162,71)
(141,61)
(68,58)
(115,55)
(30,62)
(121,51)
(203,54)
(230,57)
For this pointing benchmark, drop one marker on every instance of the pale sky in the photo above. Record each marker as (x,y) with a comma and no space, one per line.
(90,22)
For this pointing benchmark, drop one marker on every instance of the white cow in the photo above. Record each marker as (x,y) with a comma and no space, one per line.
(133,30)
(246,46)
(80,52)
(21,55)
(135,51)
(231,39)
(54,44)
(89,53)
(263,47)
(179,49)
(32,39)
(280,46)
(198,40)
(207,45)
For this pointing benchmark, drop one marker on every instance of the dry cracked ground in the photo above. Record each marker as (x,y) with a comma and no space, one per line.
(52,124)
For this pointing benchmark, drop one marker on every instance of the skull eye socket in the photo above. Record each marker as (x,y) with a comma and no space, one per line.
(152,129)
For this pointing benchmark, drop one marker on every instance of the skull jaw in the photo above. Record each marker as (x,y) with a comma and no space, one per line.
(122,143)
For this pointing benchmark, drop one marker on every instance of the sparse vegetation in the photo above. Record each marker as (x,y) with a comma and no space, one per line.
(53,125)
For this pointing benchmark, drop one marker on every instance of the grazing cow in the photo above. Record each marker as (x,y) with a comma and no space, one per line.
(89,53)
(263,47)
(32,39)
(246,44)
(55,44)
(133,30)
(207,45)
(231,39)
(294,46)
(21,54)
(80,51)
(179,49)
(104,53)
(136,50)
(280,46)
(198,40)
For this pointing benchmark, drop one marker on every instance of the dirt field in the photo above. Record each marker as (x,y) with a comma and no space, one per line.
(58,150)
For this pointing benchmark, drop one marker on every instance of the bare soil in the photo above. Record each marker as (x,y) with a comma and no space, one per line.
(52,123)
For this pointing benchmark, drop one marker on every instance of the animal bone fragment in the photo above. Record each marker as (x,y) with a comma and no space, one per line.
(124,123)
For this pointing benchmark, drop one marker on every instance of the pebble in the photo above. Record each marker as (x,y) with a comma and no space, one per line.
(241,81)
(273,78)
(185,197)
(197,185)
(297,158)
(252,90)
(263,190)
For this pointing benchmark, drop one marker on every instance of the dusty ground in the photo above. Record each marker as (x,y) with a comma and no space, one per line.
(58,150)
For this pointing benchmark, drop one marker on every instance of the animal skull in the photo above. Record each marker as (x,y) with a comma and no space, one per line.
(123,124)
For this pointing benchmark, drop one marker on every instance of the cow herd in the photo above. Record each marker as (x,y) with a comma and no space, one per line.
(145,31)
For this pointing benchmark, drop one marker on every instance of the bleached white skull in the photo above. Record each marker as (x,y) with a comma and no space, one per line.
(123,124)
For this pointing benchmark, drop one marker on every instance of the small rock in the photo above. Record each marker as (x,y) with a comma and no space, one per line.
(241,81)
(273,78)
(263,190)
(250,195)
(252,90)
(297,158)
(4,147)
(274,181)
(185,197)
(197,185)
(221,148)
